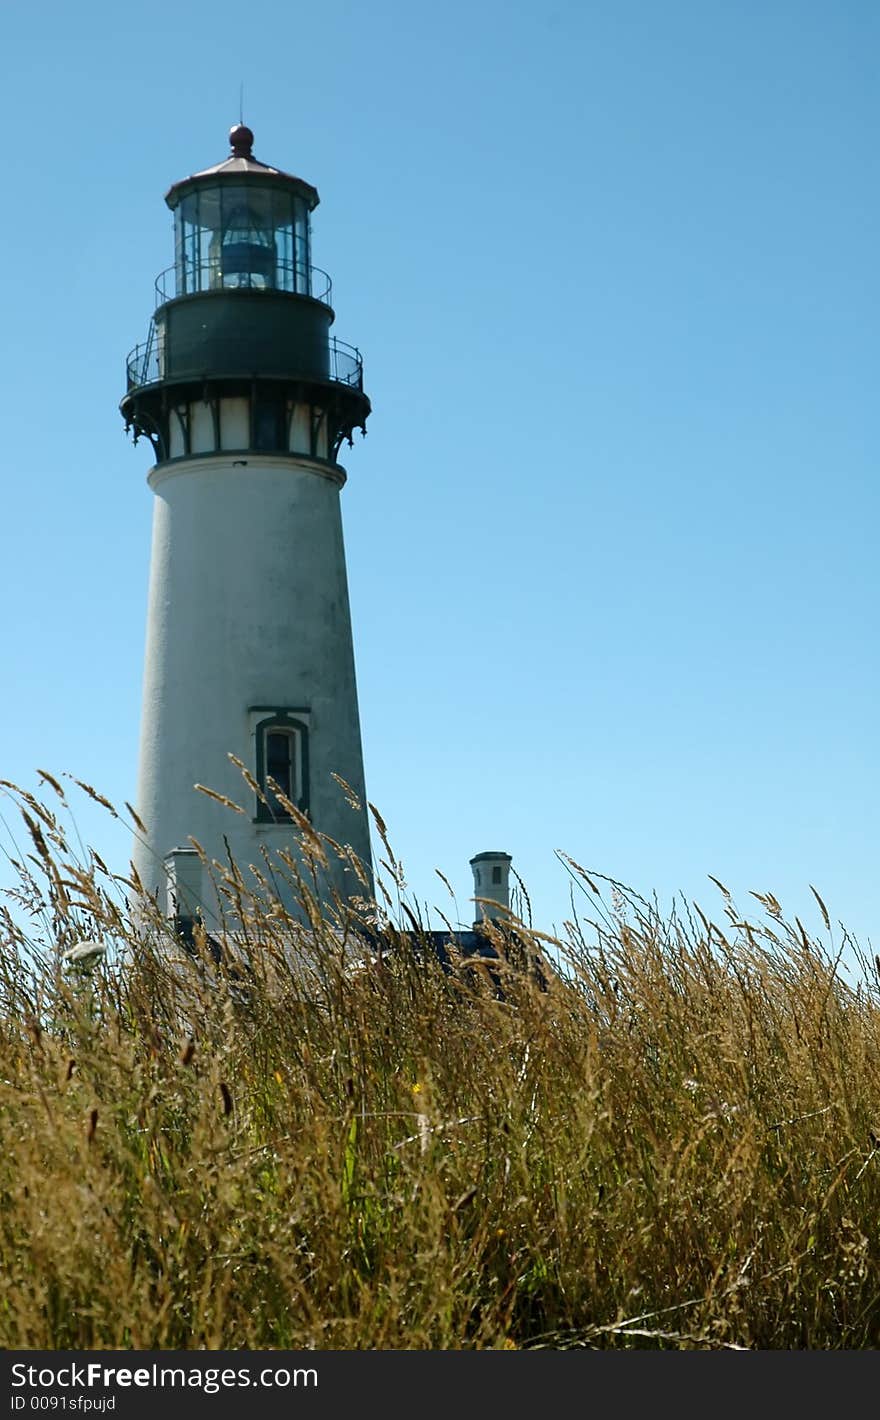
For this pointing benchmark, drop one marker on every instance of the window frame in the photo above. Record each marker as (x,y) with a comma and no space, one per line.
(292,723)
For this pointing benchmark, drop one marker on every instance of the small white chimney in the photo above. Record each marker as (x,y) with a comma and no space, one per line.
(492,885)
(183,871)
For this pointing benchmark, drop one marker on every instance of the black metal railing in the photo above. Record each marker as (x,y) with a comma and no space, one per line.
(142,364)
(346,364)
(190,278)
(146,365)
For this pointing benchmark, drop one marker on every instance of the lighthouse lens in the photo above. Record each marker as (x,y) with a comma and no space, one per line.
(244,249)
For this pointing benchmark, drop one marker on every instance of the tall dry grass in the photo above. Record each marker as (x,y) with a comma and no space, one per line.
(675,1144)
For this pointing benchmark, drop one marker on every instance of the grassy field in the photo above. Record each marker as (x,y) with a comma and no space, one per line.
(676,1144)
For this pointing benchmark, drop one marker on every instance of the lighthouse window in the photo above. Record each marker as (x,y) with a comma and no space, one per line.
(496,875)
(241,235)
(268,418)
(280,760)
(301,239)
(282,757)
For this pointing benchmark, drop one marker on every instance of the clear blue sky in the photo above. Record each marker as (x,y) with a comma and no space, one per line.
(612,536)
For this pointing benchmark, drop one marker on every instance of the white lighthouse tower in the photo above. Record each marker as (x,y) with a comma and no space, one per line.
(246,399)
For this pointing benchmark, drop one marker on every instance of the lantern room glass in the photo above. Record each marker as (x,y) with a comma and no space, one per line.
(248,235)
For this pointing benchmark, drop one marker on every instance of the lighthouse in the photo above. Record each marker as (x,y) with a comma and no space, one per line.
(246,399)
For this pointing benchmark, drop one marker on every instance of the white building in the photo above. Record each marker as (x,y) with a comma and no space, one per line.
(246,399)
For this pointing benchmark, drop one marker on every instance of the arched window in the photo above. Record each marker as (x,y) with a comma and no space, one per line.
(282,745)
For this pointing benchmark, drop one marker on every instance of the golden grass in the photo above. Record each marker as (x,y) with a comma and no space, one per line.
(677,1144)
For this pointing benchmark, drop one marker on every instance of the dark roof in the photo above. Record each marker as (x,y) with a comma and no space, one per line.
(470,944)
(475,944)
(241,164)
